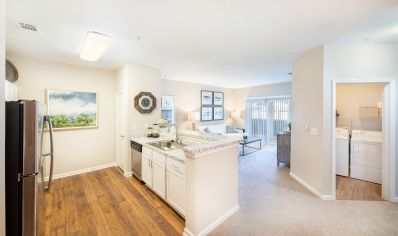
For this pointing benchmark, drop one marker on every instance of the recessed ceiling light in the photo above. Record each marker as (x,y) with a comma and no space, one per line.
(94,45)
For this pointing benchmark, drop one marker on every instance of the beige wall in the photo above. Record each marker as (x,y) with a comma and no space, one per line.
(240,96)
(82,148)
(2,109)
(375,61)
(313,74)
(133,79)
(350,97)
(306,149)
(187,98)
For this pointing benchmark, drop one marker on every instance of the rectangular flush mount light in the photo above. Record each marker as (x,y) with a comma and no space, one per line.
(94,45)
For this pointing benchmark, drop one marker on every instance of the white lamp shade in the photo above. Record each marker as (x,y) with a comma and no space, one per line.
(235,114)
(194,116)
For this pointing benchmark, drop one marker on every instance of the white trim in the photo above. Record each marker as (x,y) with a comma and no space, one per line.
(389,130)
(213,225)
(82,171)
(310,188)
(187,232)
(128,173)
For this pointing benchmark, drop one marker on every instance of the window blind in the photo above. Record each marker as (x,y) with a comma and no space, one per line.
(266,117)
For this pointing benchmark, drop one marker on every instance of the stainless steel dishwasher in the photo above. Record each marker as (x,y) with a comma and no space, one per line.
(136,152)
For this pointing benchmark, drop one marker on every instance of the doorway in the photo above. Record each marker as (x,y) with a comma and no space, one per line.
(363,149)
(268,116)
(120,130)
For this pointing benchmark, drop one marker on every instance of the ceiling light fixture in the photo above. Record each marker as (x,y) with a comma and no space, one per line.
(94,45)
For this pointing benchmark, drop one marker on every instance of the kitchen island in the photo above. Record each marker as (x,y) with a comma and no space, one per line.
(199,180)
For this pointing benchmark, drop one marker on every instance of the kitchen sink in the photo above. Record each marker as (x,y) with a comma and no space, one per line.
(167,145)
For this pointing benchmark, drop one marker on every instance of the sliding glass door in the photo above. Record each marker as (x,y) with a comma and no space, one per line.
(266,117)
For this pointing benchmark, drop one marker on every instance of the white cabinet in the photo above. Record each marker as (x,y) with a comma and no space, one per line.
(154,171)
(166,178)
(176,186)
(159,179)
(147,170)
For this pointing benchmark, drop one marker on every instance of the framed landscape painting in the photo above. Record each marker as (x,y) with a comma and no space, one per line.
(72,110)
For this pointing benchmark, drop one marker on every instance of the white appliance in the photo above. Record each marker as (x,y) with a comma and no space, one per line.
(366,155)
(342,151)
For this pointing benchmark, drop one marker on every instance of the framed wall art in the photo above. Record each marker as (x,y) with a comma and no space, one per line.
(72,110)
(218,99)
(206,113)
(206,98)
(218,113)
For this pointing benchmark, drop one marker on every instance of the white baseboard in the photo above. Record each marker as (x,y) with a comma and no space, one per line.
(128,174)
(187,232)
(310,188)
(395,199)
(77,172)
(213,225)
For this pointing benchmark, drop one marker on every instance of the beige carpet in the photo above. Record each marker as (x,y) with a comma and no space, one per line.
(272,203)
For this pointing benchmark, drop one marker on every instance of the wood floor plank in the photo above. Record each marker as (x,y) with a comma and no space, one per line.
(105,202)
(139,206)
(354,189)
(143,206)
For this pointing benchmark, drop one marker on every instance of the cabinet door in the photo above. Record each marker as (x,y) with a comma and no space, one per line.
(176,190)
(146,170)
(159,179)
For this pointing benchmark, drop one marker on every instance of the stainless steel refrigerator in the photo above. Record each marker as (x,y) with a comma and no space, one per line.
(27,130)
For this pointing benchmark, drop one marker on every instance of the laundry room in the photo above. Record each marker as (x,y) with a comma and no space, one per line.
(359,141)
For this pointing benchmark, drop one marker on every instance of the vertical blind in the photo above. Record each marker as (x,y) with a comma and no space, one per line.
(266,117)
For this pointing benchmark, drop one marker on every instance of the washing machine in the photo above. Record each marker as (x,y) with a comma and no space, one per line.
(366,155)
(342,151)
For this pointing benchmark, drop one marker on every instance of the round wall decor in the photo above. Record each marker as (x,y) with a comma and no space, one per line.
(11,72)
(145,102)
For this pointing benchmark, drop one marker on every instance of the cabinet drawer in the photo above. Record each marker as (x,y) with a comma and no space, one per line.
(146,151)
(176,165)
(159,157)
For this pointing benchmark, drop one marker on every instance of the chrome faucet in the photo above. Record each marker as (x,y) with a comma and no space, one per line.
(178,140)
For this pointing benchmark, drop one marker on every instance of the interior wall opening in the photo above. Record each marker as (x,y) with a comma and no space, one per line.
(359,141)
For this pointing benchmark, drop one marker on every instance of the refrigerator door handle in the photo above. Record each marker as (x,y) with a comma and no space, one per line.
(51,154)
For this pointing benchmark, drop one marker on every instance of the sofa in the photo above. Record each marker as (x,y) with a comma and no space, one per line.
(223,129)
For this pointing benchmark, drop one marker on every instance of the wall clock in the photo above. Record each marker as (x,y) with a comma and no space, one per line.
(11,72)
(145,102)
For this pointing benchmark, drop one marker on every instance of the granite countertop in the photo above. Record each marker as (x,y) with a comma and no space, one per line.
(177,154)
(197,143)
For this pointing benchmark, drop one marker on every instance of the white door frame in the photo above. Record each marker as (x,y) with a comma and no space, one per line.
(389,130)
(121,144)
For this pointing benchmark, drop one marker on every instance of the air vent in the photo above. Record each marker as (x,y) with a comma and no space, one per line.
(28,27)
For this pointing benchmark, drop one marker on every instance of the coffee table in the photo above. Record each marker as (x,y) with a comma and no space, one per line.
(253,144)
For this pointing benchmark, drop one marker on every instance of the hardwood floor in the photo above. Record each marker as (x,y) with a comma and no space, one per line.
(354,189)
(105,202)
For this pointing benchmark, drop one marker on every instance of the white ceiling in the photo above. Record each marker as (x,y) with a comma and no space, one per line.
(230,43)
